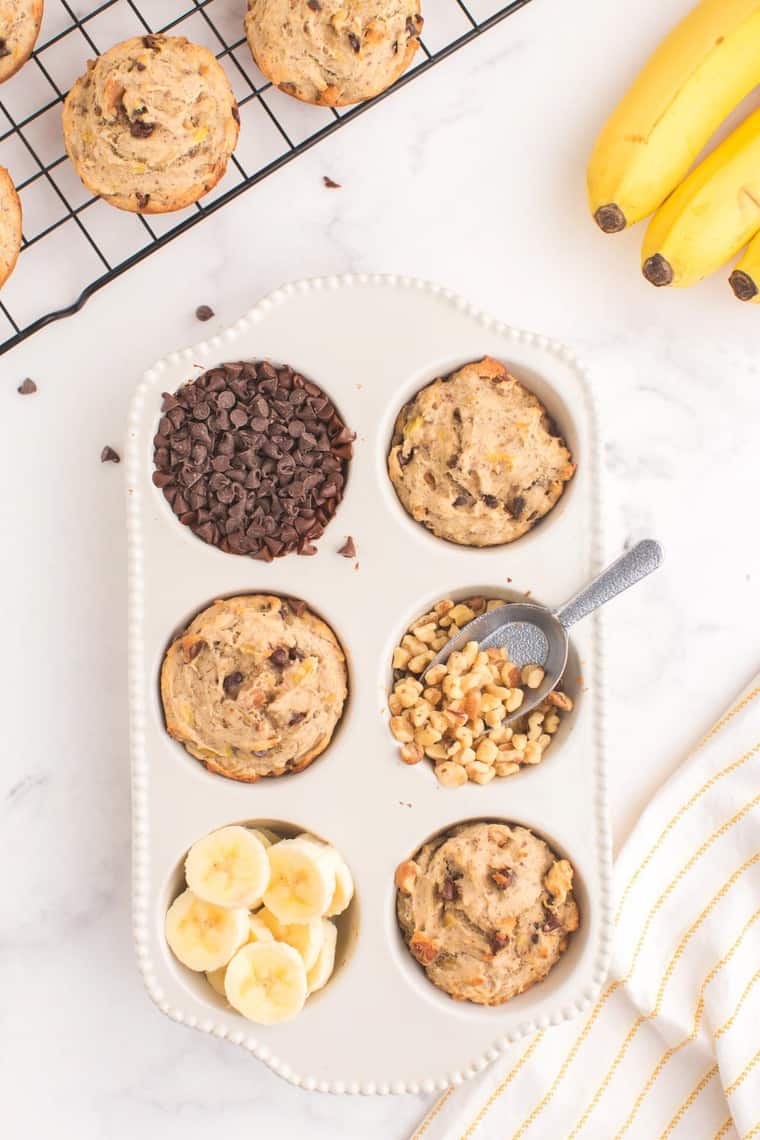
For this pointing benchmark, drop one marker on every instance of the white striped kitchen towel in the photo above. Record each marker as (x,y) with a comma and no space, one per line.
(671,1049)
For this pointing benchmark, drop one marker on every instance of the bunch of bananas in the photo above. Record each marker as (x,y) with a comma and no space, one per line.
(641,161)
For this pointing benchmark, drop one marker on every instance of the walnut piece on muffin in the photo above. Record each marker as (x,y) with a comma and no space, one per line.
(475,457)
(333,52)
(152,123)
(254,687)
(455,717)
(486,909)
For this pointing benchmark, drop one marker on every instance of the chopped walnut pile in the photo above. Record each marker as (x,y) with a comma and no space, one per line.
(456,718)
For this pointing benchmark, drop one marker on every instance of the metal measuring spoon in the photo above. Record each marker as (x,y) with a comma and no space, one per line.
(534,635)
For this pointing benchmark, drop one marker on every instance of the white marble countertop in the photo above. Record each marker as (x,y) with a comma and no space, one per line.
(473,177)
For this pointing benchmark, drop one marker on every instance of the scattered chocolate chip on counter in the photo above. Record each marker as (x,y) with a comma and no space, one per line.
(108,455)
(253,458)
(348,549)
(27,387)
(330,184)
(204,312)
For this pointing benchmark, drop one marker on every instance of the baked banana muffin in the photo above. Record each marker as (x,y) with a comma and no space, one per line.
(475,457)
(333,52)
(151,125)
(254,687)
(486,909)
(19,27)
(10,225)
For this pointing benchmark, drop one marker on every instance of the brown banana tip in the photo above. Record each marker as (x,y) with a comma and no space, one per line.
(658,271)
(742,284)
(610,219)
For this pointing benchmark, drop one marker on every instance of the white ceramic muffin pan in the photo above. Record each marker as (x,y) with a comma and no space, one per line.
(379,1025)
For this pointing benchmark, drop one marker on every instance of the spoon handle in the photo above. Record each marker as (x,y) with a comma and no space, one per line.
(625,571)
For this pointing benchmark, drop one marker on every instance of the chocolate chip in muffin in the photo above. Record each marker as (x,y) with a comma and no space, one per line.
(253,459)
(232,682)
(4,49)
(140,130)
(280,656)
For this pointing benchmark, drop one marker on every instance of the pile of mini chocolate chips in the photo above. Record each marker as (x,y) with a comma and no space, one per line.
(253,458)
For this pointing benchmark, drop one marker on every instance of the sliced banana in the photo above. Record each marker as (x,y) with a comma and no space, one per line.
(266,982)
(305,937)
(258,931)
(204,936)
(344,883)
(215,979)
(302,881)
(267,836)
(229,867)
(320,972)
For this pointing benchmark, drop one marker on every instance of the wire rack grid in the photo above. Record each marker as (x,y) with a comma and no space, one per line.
(73,243)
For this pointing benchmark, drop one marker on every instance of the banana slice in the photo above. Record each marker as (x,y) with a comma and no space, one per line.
(215,979)
(258,931)
(229,867)
(204,936)
(320,972)
(266,836)
(344,883)
(266,982)
(302,881)
(305,937)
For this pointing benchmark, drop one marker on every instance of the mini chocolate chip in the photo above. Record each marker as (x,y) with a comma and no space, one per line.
(140,130)
(4,49)
(314,5)
(108,455)
(296,718)
(279,656)
(232,682)
(204,312)
(348,549)
(498,941)
(236,113)
(354,41)
(502,879)
(534,938)
(153,42)
(551,923)
(142,200)
(194,650)
(516,506)
(449,890)
(27,387)
(490,500)
(460,501)
(330,184)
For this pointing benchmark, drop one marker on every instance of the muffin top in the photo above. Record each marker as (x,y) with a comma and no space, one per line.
(486,909)
(254,687)
(19,27)
(333,52)
(10,225)
(475,457)
(152,123)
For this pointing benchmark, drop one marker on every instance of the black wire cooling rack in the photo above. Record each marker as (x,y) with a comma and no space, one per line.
(73,243)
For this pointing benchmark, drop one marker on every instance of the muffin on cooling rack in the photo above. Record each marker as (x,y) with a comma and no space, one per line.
(151,126)
(10,225)
(333,52)
(19,27)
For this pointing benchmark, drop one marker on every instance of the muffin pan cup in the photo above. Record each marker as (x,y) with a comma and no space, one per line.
(379,1025)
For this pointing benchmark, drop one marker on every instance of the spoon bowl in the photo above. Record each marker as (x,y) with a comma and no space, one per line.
(535,635)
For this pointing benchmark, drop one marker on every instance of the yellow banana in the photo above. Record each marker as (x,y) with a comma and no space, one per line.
(698,74)
(745,279)
(711,215)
